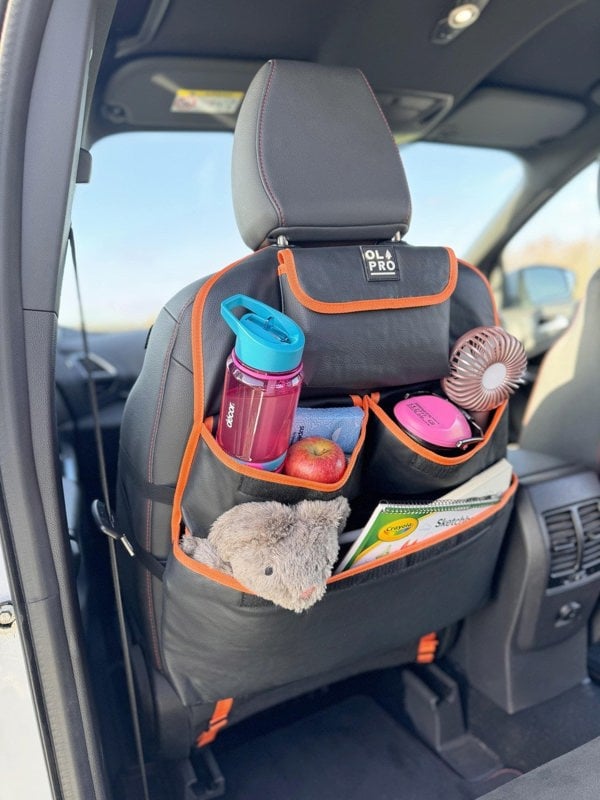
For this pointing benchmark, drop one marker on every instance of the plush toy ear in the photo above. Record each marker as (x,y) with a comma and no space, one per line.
(324,513)
(202,550)
(254,524)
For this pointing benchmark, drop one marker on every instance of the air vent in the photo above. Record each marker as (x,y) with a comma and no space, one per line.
(95,366)
(102,372)
(563,545)
(574,538)
(589,516)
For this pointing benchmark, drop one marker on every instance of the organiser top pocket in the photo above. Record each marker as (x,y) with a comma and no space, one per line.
(373,315)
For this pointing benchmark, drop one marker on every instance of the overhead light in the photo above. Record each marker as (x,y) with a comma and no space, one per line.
(464,15)
(459,18)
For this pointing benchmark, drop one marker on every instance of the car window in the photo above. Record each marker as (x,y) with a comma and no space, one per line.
(548,264)
(158,214)
(456,191)
(565,232)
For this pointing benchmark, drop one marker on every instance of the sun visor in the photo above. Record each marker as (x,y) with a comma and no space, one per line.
(205,94)
(510,119)
(178,93)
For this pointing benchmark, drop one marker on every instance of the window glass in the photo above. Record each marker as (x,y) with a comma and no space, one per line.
(547,265)
(158,214)
(456,191)
(565,232)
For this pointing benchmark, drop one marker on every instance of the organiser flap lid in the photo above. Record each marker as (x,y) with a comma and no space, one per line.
(353,278)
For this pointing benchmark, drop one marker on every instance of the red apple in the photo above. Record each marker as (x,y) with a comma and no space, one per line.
(315,459)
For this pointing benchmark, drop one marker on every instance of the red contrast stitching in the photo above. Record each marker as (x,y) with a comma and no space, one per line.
(263,172)
(151,450)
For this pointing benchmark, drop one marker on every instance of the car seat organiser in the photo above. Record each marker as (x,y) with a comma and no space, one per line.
(324,214)
(220,640)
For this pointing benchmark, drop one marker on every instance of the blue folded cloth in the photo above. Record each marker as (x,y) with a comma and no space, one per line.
(341,425)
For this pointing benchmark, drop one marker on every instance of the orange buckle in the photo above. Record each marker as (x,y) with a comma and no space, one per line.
(427,648)
(218,720)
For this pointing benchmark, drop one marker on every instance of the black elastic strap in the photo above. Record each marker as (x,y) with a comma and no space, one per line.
(150,562)
(111,541)
(157,492)
(104,523)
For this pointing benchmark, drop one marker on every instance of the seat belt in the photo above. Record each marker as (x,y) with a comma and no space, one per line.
(104,519)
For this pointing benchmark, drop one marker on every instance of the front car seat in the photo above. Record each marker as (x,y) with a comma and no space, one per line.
(318,184)
(562,417)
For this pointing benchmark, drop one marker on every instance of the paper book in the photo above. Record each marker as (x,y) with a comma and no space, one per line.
(494,480)
(395,526)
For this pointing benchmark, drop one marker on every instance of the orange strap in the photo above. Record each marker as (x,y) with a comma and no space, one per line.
(426,650)
(216,722)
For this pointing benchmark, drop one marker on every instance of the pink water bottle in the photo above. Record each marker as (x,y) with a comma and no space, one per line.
(263,377)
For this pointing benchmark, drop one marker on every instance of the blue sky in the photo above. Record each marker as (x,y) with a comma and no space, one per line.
(158,214)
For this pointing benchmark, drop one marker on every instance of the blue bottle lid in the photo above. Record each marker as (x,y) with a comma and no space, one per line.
(266,340)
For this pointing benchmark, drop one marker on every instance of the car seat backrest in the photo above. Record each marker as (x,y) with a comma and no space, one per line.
(562,416)
(304,134)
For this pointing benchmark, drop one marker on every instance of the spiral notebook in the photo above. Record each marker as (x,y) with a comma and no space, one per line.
(394,526)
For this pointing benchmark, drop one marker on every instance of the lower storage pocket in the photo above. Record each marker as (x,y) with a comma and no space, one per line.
(218,641)
(398,465)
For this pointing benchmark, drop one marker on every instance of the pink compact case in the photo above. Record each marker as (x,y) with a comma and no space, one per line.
(436,423)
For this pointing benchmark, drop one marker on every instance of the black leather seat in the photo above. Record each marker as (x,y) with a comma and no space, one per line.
(562,417)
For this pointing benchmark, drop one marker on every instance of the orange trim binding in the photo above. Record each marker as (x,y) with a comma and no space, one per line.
(184,472)
(425,452)
(287,267)
(277,477)
(441,537)
(227,580)
(488,286)
(198,379)
(427,648)
(217,721)
(197,312)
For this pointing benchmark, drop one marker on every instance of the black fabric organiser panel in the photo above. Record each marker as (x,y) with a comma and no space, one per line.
(402,339)
(218,641)
(216,644)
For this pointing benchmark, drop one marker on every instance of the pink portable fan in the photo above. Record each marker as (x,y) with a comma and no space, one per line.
(487,364)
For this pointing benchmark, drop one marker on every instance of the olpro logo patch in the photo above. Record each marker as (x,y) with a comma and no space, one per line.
(380,264)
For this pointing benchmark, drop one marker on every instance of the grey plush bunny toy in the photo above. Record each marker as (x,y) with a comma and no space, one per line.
(282,553)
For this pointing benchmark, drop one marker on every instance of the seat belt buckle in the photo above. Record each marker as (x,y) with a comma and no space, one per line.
(105,524)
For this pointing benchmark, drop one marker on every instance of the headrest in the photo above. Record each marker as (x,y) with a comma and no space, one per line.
(314,159)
